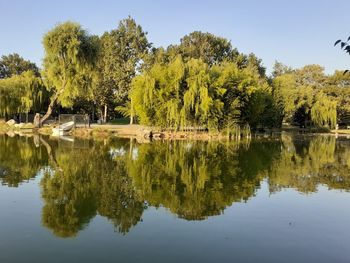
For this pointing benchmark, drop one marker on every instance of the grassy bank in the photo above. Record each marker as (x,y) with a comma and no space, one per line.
(143,133)
(341,131)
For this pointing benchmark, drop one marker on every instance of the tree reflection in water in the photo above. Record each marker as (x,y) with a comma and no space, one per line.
(119,178)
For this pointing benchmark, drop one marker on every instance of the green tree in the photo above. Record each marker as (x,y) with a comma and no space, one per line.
(324,111)
(191,93)
(338,89)
(176,95)
(70,54)
(285,95)
(302,97)
(122,52)
(280,69)
(206,46)
(14,64)
(21,93)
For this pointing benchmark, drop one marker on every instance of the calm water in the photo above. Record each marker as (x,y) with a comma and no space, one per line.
(280,199)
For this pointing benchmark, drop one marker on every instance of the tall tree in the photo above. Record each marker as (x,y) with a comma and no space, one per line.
(280,69)
(14,64)
(206,46)
(122,51)
(70,54)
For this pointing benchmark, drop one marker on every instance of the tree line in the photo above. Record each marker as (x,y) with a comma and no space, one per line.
(201,82)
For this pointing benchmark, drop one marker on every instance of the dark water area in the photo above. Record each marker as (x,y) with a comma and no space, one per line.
(275,199)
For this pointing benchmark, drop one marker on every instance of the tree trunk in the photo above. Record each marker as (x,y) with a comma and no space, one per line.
(131,113)
(53,100)
(49,111)
(92,116)
(105,114)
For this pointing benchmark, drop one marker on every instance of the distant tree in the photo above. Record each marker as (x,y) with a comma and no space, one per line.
(21,93)
(70,54)
(285,95)
(206,46)
(122,52)
(255,63)
(280,69)
(311,75)
(303,96)
(14,64)
(338,88)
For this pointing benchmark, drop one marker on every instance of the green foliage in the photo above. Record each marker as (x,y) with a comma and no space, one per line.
(70,55)
(338,90)
(303,96)
(201,82)
(324,111)
(121,51)
(20,161)
(20,93)
(280,69)
(14,64)
(306,163)
(206,46)
(179,94)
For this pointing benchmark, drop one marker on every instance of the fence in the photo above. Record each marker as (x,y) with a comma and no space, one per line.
(80,120)
(23,117)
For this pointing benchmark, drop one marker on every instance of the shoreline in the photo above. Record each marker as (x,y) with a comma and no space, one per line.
(145,133)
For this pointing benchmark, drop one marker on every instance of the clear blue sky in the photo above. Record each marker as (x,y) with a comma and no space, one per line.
(294,32)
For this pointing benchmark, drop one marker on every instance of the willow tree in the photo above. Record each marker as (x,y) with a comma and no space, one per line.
(247,97)
(324,111)
(308,96)
(176,94)
(9,98)
(338,89)
(201,100)
(193,93)
(285,94)
(20,93)
(70,54)
(155,95)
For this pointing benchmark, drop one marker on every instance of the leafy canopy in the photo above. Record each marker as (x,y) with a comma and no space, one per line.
(70,54)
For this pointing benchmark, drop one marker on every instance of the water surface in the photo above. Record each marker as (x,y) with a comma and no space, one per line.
(276,199)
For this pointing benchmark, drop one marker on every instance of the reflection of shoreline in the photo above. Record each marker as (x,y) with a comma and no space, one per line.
(194,180)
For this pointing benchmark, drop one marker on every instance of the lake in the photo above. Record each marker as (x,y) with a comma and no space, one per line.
(282,198)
